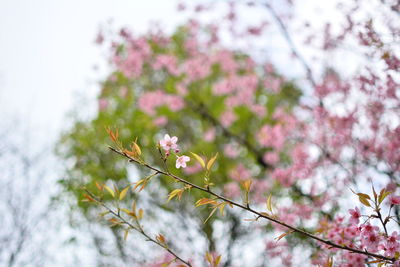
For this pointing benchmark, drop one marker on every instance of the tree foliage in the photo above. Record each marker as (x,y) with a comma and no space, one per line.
(250,138)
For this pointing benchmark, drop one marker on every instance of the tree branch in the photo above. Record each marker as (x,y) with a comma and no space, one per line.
(138,228)
(259,214)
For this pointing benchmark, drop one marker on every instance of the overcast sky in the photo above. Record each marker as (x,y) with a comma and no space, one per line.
(47,51)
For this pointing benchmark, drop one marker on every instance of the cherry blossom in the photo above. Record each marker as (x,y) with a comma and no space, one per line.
(181,161)
(169,142)
(395,200)
(355,215)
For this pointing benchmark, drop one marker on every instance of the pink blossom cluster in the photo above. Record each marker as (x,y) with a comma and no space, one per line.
(359,235)
(150,101)
(170,144)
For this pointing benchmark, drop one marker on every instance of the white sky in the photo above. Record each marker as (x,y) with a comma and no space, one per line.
(47,51)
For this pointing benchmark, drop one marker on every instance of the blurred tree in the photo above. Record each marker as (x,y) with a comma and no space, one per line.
(227,100)
(212,98)
(24,198)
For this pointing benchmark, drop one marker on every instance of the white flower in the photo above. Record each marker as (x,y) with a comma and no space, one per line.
(169,142)
(181,161)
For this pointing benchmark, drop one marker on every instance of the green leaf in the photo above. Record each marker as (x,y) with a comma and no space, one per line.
(110,190)
(199,159)
(123,193)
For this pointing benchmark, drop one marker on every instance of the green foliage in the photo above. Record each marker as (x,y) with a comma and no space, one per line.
(84,146)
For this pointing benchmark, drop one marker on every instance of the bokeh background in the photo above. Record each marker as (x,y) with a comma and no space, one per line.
(51,76)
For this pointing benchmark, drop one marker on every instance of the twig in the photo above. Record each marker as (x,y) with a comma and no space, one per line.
(259,214)
(138,228)
(290,42)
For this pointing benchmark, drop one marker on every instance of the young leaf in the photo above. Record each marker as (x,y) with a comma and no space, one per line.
(134,206)
(110,190)
(88,198)
(364,201)
(204,201)
(211,162)
(382,195)
(99,186)
(177,192)
(283,235)
(364,196)
(123,193)
(104,213)
(217,260)
(211,214)
(209,257)
(374,261)
(140,214)
(142,183)
(137,149)
(114,222)
(269,203)
(199,159)
(160,238)
(329,262)
(125,210)
(375,195)
(247,185)
(222,208)
(126,234)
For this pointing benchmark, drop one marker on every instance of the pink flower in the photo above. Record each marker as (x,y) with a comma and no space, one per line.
(271,158)
(231,151)
(174,102)
(193,169)
(371,241)
(355,215)
(368,229)
(160,121)
(227,118)
(393,238)
(394,200)
(232,190)
(209,135)
(181,161)
(169,143)
(103,104)
(240,173)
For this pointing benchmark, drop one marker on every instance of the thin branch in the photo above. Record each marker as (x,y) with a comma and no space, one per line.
(259,214)
(290,42)
(138,228)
